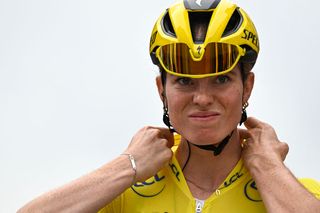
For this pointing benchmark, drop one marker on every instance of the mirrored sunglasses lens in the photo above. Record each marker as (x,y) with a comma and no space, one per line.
(218,57)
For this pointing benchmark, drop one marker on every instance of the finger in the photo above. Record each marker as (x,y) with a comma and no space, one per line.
(286,151)
(244,137)
(246,142)
(243,133)
(165,133)
(170,142)
(252,122)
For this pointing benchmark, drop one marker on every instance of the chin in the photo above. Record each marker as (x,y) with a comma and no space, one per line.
(205,135)
(207,141)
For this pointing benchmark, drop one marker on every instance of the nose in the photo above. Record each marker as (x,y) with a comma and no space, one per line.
(202,95)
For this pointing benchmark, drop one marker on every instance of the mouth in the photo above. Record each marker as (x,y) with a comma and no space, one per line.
(204,116)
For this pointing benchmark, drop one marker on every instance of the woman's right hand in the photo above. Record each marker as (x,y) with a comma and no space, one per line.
(151,149)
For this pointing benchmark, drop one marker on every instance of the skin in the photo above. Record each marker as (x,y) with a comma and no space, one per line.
(263,154)
(93,191)
(204,111)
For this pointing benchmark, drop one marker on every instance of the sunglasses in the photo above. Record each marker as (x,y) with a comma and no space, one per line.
(215,59)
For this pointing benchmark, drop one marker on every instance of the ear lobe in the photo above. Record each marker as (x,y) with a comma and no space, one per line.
(248,86)
(160,87)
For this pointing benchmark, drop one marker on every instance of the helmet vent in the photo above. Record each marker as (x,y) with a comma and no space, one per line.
(167,25)
(199,22)
(233,24)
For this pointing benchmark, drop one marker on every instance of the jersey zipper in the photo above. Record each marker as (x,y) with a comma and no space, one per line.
(200,203)
(199,206)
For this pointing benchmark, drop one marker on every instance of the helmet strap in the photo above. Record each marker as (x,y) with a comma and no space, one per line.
(216,149)
(165,117)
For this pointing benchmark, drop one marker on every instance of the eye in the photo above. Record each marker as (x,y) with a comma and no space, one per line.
(222,79)
(184,81)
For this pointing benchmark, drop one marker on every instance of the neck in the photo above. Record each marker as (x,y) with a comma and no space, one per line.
(206,171)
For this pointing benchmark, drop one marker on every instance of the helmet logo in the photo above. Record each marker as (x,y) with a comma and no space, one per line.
(199,48)
(199,2)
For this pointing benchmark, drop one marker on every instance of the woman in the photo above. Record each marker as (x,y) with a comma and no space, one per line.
(205,51)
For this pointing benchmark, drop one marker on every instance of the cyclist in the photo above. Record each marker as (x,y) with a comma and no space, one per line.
(205,50)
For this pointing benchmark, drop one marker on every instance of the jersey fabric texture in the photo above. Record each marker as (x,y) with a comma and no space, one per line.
(168,192)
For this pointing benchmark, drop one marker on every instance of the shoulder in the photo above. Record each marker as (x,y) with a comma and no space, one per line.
(312,185)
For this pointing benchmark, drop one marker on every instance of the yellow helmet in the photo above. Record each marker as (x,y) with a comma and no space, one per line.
(228,36)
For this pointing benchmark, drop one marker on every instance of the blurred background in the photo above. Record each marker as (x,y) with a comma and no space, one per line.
(76,83)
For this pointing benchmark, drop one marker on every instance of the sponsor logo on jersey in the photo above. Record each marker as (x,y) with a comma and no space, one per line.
(142,189)
(175,170)
(251,191)
(233,179)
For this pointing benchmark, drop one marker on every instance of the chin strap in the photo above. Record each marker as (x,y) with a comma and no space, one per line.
(216,149)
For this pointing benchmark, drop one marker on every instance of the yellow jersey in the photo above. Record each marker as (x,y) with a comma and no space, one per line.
(168,192)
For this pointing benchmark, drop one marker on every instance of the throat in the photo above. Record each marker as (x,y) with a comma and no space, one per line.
(200,191)
(203,171)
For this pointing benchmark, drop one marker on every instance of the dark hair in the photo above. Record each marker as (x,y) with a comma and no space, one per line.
(244,70)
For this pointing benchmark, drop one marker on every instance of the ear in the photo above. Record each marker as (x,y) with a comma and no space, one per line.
(160,87)
(248,86)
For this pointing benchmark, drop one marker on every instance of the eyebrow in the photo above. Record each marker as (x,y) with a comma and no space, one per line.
(232,72)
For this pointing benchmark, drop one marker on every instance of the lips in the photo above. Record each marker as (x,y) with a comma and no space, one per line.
(204,115)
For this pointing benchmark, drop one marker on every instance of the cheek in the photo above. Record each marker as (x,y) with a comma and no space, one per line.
(235,97)
(177,104)
(233,103)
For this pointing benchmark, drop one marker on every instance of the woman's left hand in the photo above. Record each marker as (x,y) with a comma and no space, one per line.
(262,149)
(263,155)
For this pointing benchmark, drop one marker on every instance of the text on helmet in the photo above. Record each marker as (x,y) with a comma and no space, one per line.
(250,36)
